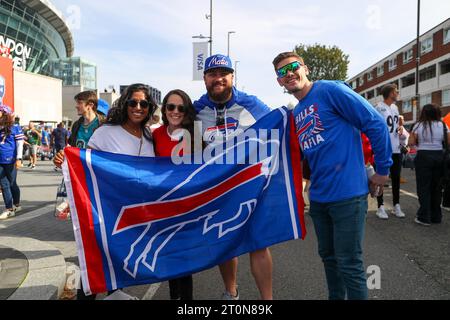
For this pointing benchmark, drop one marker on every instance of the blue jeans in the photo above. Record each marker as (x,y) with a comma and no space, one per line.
(8,181)
(340,228)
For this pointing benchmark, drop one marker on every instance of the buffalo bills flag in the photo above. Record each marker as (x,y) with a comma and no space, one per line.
(145,220)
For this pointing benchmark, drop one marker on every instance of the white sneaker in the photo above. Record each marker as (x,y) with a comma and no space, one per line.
(18,208)
(398,211)
(228,296)
(381,213)
(7,214)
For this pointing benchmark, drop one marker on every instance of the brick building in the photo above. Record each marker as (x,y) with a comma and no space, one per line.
(400,68)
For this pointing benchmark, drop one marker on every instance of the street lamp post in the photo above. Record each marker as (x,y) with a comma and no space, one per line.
(235,73)
(204,37)
(210,17)
(229,33)
(417,100)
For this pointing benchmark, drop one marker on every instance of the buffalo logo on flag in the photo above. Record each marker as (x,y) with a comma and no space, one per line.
(145,220)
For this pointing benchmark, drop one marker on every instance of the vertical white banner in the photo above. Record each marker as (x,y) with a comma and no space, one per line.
(200,55)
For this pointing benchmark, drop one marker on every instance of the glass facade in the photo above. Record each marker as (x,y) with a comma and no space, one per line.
(34,39)
(75,72)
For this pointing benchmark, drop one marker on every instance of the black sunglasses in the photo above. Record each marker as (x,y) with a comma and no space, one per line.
(134,103)
(171,107)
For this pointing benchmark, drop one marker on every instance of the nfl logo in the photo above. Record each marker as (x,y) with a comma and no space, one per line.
(2,89)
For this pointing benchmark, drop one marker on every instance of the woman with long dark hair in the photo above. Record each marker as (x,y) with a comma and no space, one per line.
(178,115)
(428,135)
(125,130)
(11,148)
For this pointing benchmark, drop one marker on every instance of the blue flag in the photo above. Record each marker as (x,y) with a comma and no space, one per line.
(146,220)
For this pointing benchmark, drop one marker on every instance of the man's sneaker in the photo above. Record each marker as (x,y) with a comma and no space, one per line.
(228,296)
(398,211)
(17,208)
(7,214)
(381,213)
(416,220)
(32,167)
(29,165)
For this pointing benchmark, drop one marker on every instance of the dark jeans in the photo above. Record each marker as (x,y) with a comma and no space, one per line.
(395,171)
(429,171)
(181,288)
(8,181)
(340,229)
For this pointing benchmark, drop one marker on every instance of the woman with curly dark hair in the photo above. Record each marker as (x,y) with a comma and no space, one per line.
(11,149)
(125,130)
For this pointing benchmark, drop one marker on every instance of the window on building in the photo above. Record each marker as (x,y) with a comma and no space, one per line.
(427,73)
(361,81)
(426,45)
(446,36)
(407,56)
(379,91)
(445,66)
(392,64)
(369,76)
(425,99)
(446,98)
(380,70)
(370,94)
(407,106)
(409,80)
(353,84)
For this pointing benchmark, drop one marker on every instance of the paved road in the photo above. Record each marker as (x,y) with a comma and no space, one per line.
(414,261)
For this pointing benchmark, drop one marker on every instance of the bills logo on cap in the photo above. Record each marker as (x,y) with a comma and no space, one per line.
(218,61)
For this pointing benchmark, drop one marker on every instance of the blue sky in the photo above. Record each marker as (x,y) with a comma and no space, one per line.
(151,41)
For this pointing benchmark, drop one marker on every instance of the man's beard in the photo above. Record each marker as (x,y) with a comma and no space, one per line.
(224,96)
(294,91)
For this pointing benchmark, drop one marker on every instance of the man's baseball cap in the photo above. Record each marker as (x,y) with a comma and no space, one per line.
(218,61)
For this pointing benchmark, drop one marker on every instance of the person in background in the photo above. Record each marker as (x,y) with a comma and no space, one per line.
(403,136)
(389,112)
(33,136)
(428,135)
(89,121)
(11,149)
(59,139)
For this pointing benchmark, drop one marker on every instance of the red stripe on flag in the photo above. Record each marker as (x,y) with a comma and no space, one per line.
(92,253)
(297,173)
(171,208)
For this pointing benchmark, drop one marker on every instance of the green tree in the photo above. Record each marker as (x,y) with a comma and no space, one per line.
(324,63)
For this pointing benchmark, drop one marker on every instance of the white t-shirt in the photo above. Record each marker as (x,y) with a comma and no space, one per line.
(426,141)
(391,117)
(116,139)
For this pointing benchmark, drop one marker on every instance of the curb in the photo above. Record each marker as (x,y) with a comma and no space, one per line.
(46,276)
